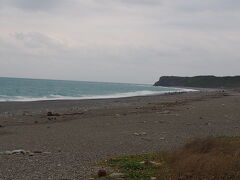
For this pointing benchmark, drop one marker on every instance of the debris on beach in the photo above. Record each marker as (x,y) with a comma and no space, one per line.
(49,113)
(151,163)
(52,114)
(52,118)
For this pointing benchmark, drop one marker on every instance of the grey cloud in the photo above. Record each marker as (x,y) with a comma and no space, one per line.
(183,5)
(38,40)
(204,5)
(140,2)
(139,64)
(32,5)
(142,38)
(37,4)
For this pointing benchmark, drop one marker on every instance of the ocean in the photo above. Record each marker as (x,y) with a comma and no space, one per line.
(20,89)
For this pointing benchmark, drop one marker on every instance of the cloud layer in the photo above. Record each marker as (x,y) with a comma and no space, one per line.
(119,40)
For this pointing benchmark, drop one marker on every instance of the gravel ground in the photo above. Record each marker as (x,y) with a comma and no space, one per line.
(65,146)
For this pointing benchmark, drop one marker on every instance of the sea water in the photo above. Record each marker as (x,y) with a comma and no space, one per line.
(19,89)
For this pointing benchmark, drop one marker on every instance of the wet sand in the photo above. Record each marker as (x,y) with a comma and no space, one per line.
(81,132)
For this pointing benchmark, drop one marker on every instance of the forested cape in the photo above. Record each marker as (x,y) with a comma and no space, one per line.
(199,81)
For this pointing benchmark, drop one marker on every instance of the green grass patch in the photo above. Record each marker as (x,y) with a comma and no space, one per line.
(209,158)
(136,167)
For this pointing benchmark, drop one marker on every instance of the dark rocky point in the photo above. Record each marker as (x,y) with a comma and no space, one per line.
(199,81)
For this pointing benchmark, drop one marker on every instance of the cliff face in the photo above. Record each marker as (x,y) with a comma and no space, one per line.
(199,81)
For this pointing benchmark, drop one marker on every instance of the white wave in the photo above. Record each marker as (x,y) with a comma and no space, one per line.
(118,95)
(185,90)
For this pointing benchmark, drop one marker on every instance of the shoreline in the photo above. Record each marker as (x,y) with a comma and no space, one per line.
(110,96)
(11,106)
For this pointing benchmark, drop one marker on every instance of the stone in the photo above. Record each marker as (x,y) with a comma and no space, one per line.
(164,112)
(52,118)
(25,113)
(156,164)
(116,175)
(59,150)
(102,173)
(140,134)
(46,152)
(37,152)
(153,178)
(19,151)
(7,152)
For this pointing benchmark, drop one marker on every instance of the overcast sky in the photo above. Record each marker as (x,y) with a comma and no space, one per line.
(119,40)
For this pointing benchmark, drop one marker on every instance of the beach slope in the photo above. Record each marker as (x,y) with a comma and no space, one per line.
(63,139)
